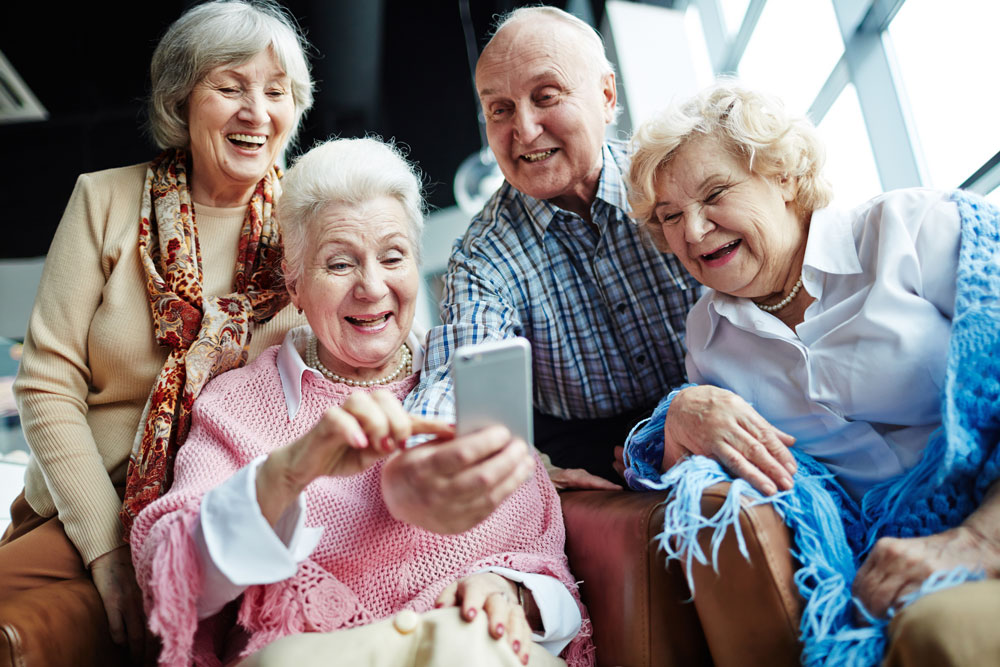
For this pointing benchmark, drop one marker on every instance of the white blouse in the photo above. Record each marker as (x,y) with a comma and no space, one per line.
(858,382)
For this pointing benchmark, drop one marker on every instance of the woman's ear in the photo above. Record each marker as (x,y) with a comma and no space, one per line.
(290,285)
(789,186)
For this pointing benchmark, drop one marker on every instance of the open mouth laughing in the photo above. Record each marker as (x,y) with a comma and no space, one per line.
(373,323)
(721,254)
(539,156)
(247,141)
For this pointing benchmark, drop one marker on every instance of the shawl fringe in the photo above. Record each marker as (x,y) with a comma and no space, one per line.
(831,533)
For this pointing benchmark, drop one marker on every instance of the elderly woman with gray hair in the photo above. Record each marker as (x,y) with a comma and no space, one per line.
(160,275)
(277,503)
(867,338)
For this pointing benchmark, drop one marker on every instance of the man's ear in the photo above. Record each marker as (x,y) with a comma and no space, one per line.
(609,95)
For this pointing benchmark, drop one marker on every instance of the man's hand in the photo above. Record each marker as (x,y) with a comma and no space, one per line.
(719,424)
(449,486)
(565,479)
(897,566)
(115,581)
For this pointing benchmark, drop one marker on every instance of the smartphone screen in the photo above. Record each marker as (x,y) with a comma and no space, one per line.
(493,386)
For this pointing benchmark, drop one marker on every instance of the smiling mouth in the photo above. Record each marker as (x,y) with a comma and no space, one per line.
(723,251)
(539,156)
(373,322)
(247,141)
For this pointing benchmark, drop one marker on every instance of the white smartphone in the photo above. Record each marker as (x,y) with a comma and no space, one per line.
(493,386)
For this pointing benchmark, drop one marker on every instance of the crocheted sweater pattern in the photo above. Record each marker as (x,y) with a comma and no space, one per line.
(367,565)
(833,533)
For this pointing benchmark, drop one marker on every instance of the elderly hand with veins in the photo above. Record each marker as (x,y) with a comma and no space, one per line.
(449,486)
(345,441)
(897,566)
(719,424)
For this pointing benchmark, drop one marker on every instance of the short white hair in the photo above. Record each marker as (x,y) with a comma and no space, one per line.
(225,32)
(345,172)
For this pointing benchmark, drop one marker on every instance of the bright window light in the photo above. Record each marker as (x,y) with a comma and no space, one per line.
(994,196)
(850,165)
(733,12)
(945,53)
(793,50)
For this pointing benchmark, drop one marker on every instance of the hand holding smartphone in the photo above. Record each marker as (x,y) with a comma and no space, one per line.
(493,386)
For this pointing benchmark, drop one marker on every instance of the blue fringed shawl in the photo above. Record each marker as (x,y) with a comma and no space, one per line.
(832,534)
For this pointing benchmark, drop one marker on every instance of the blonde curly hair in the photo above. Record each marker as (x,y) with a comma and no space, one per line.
(752,126)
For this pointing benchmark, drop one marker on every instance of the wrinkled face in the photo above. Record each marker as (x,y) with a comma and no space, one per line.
(546,107)
(733,230)
(239,118)
(358,285)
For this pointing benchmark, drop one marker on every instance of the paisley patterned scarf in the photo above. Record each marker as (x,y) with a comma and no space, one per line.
(207,335)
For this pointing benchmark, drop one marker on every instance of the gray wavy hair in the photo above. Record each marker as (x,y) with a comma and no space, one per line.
(221,33)
(752,126)
(348,172)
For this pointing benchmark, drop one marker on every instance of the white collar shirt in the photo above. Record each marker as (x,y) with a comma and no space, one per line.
(858,381)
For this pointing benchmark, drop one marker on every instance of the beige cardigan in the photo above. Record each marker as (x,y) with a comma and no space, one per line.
(90,359)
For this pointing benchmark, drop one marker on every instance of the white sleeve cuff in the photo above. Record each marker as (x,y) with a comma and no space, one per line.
(237,546)
(560,614)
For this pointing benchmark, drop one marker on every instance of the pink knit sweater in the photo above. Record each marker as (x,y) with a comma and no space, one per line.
(367,565)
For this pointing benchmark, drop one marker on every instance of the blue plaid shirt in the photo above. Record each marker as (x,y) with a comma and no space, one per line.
(603,309)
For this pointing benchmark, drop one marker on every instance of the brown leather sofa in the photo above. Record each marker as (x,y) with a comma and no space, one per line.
(747,615)
(56,626)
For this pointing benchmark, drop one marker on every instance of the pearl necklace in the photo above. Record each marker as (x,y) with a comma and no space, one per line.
(312,359)
(784,302)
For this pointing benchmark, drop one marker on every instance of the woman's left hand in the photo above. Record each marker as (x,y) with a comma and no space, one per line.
(897,566)
(496,596)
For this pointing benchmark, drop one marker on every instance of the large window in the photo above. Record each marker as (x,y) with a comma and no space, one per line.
(902,91)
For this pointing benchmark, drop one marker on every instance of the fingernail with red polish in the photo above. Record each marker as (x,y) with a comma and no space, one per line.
(499,630)
(470,614)
(516,646)
(388,443)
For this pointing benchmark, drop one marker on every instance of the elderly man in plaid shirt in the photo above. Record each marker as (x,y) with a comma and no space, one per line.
(554,257)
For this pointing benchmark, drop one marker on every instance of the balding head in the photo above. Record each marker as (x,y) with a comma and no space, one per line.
(587,39)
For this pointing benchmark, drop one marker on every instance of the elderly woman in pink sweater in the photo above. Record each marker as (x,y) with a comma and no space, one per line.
(276,525)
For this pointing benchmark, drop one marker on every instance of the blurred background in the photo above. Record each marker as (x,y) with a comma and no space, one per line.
(902,90)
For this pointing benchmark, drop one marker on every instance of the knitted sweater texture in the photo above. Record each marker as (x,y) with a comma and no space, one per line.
(90,357)
(367,565)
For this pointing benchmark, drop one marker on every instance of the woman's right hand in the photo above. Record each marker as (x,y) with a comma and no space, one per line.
(719,424)
(345,441)
(497,597)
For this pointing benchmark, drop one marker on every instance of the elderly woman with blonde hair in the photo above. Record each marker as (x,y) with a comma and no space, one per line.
(278,500)
(867,338)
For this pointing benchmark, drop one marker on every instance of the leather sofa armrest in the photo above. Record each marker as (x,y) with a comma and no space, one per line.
(63,623)
(638,607)
(750,609)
